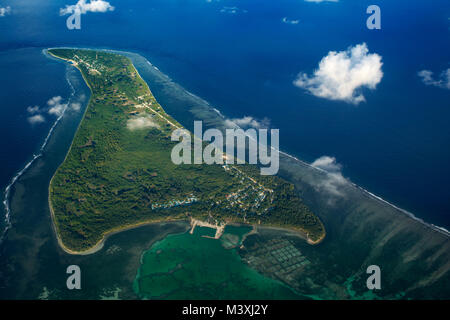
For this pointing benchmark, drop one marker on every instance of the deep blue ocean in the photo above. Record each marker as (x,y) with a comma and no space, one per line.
(396,144)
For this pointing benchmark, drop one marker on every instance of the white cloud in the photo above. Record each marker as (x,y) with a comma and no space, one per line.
(442,82)
(33,110)
(75,106)
(84,7)
(247,122)
(327,163)
(36,119)
(55,106)
(56,110)
(333,181)
(141,123)
(54,101)
(5,11)
(289,21)
(341,75)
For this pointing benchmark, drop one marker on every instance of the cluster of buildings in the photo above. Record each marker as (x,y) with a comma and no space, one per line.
(174,203)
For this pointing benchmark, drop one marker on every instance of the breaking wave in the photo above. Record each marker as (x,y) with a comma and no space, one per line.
(7,192)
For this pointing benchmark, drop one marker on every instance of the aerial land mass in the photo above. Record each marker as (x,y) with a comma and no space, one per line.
(118,173)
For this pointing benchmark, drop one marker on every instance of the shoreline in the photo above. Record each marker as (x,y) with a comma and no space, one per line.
(192,222)
(100,244)
(292,231)
(52,214)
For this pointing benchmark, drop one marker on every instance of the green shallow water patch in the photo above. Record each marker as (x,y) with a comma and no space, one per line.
(190,266)
(239,231)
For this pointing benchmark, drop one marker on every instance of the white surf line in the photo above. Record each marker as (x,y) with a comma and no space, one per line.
(374,196)
(7,191)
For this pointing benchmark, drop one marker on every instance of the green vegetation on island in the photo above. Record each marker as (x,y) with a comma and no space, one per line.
(118,172)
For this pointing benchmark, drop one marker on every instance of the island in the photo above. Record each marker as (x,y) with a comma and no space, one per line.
(118,173)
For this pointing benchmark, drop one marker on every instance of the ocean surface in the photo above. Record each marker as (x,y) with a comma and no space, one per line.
(360,229)
(243,62)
